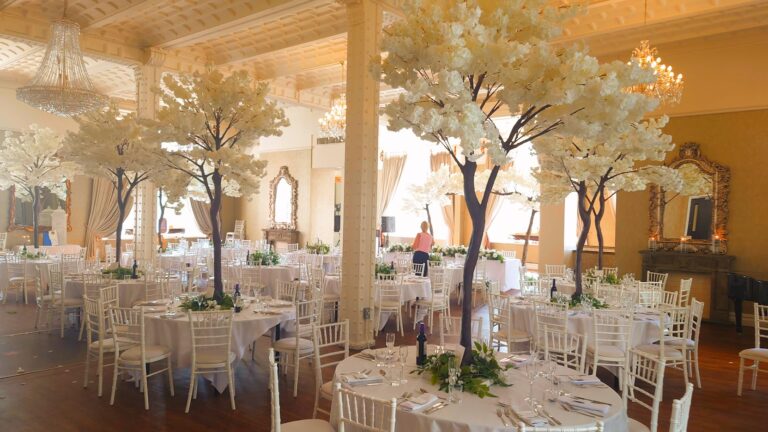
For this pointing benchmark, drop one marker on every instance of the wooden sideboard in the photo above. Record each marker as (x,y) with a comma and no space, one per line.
(277,235)
(714,265)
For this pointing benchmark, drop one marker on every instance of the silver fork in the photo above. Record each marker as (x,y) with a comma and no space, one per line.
(500,414)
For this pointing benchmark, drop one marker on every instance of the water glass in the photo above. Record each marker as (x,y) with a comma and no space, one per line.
(390,340)
(402,356)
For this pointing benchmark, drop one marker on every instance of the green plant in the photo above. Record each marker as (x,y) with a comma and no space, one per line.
(120,272)
(477,378)
(30,255)
(264,258)
(452,251)
(611,278)
(492,255)
(435,257)
(384,269)
(400,248)
(203,303)
(318,248)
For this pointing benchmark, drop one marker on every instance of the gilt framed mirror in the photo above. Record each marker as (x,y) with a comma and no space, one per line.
(283,200)
(20,210)
(696,218)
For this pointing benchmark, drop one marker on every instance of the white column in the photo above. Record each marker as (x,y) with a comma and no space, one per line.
(148,76)
(360,171)
(552,231)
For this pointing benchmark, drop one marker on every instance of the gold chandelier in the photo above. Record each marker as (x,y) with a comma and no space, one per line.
(61,85)
(333,125)
(667,87)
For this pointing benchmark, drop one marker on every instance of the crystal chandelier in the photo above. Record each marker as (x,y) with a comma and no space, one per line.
(667,87)
(61,85)
(333,124)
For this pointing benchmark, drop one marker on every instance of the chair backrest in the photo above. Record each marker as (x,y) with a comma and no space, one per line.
(657,277)
(239,227)
(109,253)
(554,270)
(611,294)
(389,291)
(695,316)
(211,333)
(480,270)
(93,282)
(292,247)
(418,269)
(94,320)
(154,291)
(669,298)
(612,327)
(552,315)
(331,347)
(109,297)
(676,323)
(450,329)
(509,254)
(364,413)
(566,349)
(649,294)
(71,264)
(55,277)
(3,238)
(437,274)
(685,292)
(250,280)
(307,316)
(611,271)
(17,267)
(678,421)
(286,290)
(531,288)
(761,324)
(127,326)
(645,383)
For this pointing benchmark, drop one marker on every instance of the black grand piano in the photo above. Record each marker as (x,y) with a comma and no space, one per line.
(745,288)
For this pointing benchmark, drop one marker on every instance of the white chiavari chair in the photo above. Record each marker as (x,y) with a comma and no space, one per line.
(127,326)
(554,270)
(612,329)
(21,278)
(684,294)
(669,298)
(286,290)
(331,348)
(3,239)
(690,344)
(404,263)
(649,295)
(559,348)
(610,271)
(418,269)
(673,325)
(211,350)
(389,300)
(310,425)
(93,282)
(758,353)
(660,278)
(681,409)
(531,288)
(644,384)
(610,294)
(508,254)
(438,302)
(99,340)
(553,315)
(501,331)
(479,277)
(301,345)
(109,254)
(450,330)
(292,247)
(365,413)
(71,264)
(250,281)
(45,301)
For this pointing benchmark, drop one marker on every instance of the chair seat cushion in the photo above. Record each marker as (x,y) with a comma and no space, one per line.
(214,359)
(311,425)
(680,342)
(289,344)
(608,351)
(69,302)
(326,390)
(389,304)
(152,353)
(655,350)
(109,344)
(755,353)
(21,279)
(512,334)
(636,426)
(438,299)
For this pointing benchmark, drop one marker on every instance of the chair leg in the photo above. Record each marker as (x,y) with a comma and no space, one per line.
(170,377)
(192,380)
(87,365)
(297,360)
(144,387)
(82,325)
(37,316)
(231,387)
(741,376)
(114,383)
(61,320)
(756,366)
(100,371)
(696,365)
(685,371)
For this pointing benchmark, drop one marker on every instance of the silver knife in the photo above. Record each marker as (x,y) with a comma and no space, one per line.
(437,406)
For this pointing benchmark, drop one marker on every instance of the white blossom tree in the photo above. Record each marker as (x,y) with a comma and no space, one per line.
(108,144)
(433,192)
(615,162)
(30,161)
(462,63)
(215,122)
(172,188)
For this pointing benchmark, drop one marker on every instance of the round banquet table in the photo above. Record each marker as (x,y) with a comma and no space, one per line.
(270,275)
(175,333)
(129,291)
(479,415)
(32,267)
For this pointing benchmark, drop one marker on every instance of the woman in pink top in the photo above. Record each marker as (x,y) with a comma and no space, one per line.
(422,245)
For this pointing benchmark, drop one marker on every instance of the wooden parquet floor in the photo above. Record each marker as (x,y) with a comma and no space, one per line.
(49,395)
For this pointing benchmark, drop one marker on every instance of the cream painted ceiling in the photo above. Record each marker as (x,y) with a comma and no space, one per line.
(299,45)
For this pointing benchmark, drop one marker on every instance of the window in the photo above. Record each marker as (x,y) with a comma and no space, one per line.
(185,220)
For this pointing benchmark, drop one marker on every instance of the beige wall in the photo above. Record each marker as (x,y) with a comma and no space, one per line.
(738,140)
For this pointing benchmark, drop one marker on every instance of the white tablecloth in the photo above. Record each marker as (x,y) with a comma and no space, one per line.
(176,334)
(128,291)
(479,415)
(32,266)
(270,275)
(506,273)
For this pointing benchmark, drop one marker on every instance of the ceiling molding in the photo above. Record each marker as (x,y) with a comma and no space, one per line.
(10,61)
(122,14)
(304,40)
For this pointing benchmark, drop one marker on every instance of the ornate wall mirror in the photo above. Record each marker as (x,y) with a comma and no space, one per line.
(283,200)
(20,211)
(696,218)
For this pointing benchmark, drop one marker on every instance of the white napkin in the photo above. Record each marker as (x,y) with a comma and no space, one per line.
(516,360)
(357,379)
(418,402)
(585,380)
(585,405)
(531,418)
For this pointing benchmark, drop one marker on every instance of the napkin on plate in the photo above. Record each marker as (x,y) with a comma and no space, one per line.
(418,402)
(529,417)
(585,380)
(516,360)
(585,405)
(357,379)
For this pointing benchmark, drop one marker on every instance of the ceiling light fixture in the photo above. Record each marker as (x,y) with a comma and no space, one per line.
(333,125)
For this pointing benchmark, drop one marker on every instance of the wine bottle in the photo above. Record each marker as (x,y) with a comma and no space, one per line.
(553,290)
(237,300)
(422,342)
(133,270)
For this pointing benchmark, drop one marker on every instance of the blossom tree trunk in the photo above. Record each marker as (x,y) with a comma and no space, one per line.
(599,229)
(528,236)
(585,213)
(161,214)
(429,221)
(36,204)
(215,195)
(122,203)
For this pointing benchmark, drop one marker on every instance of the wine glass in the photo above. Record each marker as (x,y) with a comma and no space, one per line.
(531,372)
(390,345)
(402,356)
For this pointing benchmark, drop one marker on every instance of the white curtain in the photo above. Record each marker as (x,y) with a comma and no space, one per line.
(103,215)
(437,160)
(389,178)
(202,212)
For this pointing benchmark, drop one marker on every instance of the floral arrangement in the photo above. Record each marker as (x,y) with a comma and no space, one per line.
(120,272)
(264,258)
(491,254)
(452,251)
(608,278)
(204,302)
(318,248)
(477,378)
(593,302)
(31,255)
(400,248)
(384,269)
(435,257)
